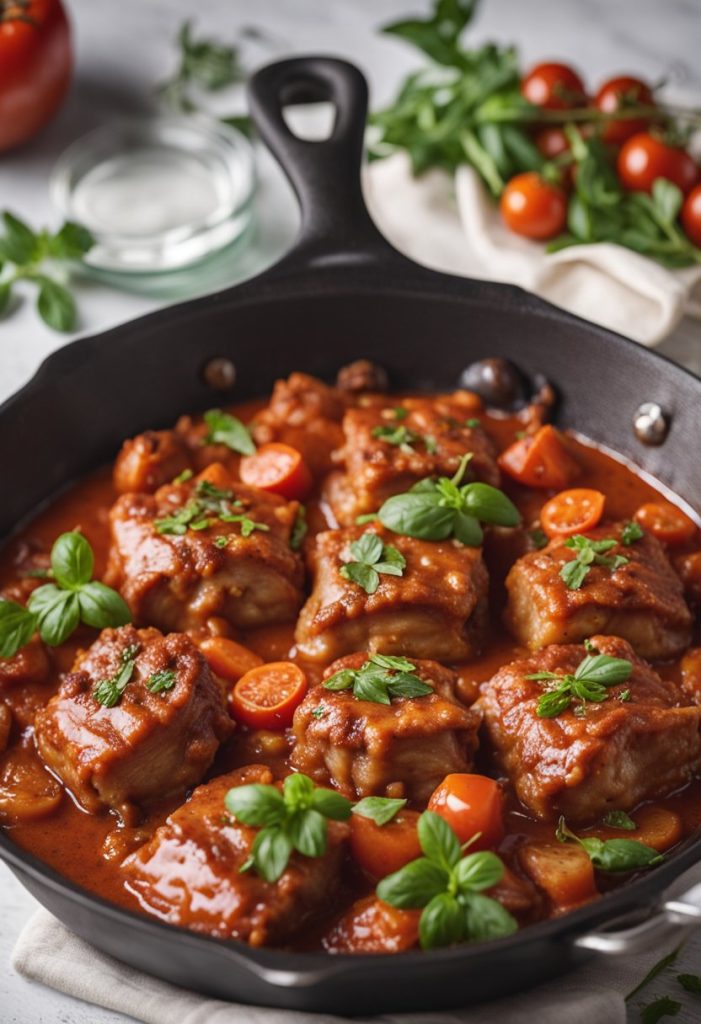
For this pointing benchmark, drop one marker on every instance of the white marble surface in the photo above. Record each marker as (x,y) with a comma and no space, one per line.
(124,48)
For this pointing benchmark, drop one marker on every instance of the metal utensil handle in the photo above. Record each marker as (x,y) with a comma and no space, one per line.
(325,173)
(671,921)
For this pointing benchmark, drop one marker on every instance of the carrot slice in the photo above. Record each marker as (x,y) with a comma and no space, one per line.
(217,475)
(383,849)
(541,460)
(227,658)
(266,697)
(279,469)
(564,872)
(658,827)
(666,522)
(572,511)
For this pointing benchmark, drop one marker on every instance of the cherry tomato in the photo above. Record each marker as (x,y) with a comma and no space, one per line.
(471,804)
(553,86)
(279,469)
(623,92)
(552,142)
(691,215)
(571,512)
(540,460)
(666,522)
(266,697)
(643,159)
(228,659)
(532,207)
(382,849)
(35,66)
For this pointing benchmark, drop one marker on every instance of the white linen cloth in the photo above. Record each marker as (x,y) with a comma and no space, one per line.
(453,225)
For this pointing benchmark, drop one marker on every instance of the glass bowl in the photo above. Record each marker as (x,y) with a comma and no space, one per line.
(158,193)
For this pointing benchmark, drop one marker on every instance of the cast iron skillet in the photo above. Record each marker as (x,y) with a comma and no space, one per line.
(340,294)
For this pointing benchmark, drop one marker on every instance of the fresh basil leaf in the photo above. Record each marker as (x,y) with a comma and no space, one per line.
(417,514)
(489,505)
(72,560)
(71,242)
(161,682)
(478,871)
(372,687)
(55,304)
(438,841)
(17,626)
(342,680)
(619,819)
(437,35)
(573,574)
(331,804)
(631,532)
(393,561)
(256,804)
(467,530)
(486,919)
(551,704)
(367,548)
(297,790)
(57,612)
(620,854)
(19,244)
(228,430)
(414,885)
(270,853)
(407,685)
(364,575)
(393,662)
(603,669)
(442,922)
(5,294)
(307,831)
(101,606)
(668,199)
(379,809)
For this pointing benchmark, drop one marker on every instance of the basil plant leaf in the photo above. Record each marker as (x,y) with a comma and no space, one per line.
(620,854)
(417,514)
(490,505)
(486,918)
(228,430)
(331,804)
(479,871)
(380,809)
(414,885)
(102,607)
(256,804)
(438,841)
(72,560)
(56,305)
(17,626)
(442,923)
(270,853)
(308,833)
(57,612)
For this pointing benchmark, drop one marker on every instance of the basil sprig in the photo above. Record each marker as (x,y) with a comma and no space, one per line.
(442,508)
(611,854)
(449,887)
(631,532)
(620,820)
(379,679)
(588,553)
(294,819)
(370,559)
(590,682)
(161,682)
(108,692)
(56,608)
(380,809)
(222,428)
(208,506)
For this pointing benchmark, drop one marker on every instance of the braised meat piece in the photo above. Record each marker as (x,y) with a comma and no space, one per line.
(642,741)
(192,551)
(641,601)
(306,414)
(29,665)
(388,448)
(403,748)
(189,873)
(150,460)
(371,926)
(155,739)
(436,609)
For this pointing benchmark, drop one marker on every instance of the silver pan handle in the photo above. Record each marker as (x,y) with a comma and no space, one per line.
(672,920)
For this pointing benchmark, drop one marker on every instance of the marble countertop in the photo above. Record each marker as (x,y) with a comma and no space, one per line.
(124,49)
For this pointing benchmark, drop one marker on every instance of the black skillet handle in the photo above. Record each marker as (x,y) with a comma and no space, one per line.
(324,174)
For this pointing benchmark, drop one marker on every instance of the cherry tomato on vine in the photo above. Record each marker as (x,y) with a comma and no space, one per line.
(35,66)
(532,207)
(643,159)
(619,93)
(554,87)
(551,142)
(691,215)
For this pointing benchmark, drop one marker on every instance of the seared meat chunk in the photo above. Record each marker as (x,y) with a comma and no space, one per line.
(176,567)
(189,873)
(389,448)
(29,665)
(641,601)
(366,748)
(642,741)
(153,742)
(150,460)
(306,414)
(436,609)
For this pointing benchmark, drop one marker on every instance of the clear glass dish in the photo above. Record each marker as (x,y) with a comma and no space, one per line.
(158,193)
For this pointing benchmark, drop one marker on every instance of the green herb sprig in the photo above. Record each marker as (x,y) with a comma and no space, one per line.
(588,553)
(448,885)
(438,509)
(108,692)
(28,255)
(379,679)
(380,809)
(620,820)
(209,505)
(611,854)
(371,558)
(55,609)
(223,428)
(631,532)
(590,682)
(161,682)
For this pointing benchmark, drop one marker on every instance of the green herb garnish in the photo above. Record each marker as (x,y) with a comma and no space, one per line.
(619,819)
(183,477)
(209,505)
(372,558)
(294,819)
(438,509)
(631,532)
(590,682)
(379,679)
(228,430)
(299,529)
(612,854)
(397,434)
(161,682)
(379,809)
(449,888)
(538,538)
(108,692)
(589,552)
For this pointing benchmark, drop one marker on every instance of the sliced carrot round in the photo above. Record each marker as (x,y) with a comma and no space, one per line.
(279,469)
(666,522)
(541,460)
(382,849)
(266,697)
(227,658)
(572,511)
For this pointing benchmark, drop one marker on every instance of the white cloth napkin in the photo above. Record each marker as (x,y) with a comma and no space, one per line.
(594,994)
(452,225)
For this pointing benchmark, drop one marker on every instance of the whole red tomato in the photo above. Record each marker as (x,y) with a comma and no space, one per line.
(622,92)
(553,86)
(551,142)
(644,158)
(691,215)
(35,66)
(533,207)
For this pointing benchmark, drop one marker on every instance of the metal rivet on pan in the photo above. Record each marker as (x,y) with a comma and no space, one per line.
(219,373)
(650,423)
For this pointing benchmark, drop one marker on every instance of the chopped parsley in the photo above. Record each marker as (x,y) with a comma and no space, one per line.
(631,532)
(372,558)
(379,679)
(160,682)
(209,505)
(108,692)
(588,553)
(590,682)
